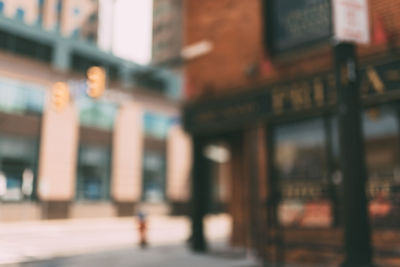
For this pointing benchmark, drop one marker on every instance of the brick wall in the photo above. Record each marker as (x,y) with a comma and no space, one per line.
(235,29)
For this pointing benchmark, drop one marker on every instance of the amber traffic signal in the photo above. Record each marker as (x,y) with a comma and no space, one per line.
(96,81)
(60,96)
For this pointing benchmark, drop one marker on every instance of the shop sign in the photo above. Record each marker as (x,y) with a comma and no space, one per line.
(288,98)
(304,94)
(294,24)
(351,21)
(380,80)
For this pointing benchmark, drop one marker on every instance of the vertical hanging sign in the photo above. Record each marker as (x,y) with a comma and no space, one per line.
(351,21)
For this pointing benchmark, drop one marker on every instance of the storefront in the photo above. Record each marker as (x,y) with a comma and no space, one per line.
(94,155)
(21,105)
(302,207)
(156,127)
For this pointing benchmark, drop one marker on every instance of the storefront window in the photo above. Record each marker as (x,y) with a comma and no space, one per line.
(153,177)
(97,113)
(97,119)
(157,125)
(19,97)
(17,168)
(301,171)
(381,134)
(93,173)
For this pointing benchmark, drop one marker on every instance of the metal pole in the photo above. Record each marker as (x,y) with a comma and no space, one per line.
(199,197)
(357,240)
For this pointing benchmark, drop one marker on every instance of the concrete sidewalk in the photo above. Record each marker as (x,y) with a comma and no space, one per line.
(40,240)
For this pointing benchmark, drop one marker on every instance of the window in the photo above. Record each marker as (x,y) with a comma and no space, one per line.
(20,15)
(18,161)
(94,159)
(381,134)
(41,12)
(149,80)
(22,46)
(157,125)
(301,171)
(96,113)
(93,173)
(21,98)
(1,6)
(153,177)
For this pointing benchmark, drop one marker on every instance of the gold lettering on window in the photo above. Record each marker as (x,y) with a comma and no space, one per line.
(296,97)
(318,92)
(278,100)
(306,89)
(300,96)
(375,80)
(332,92)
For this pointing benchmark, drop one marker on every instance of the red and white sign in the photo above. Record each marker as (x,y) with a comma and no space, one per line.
(351,21)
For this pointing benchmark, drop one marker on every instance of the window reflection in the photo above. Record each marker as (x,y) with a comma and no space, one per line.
(17,162)
(301,170)
(153,177)
(93,173)
(380,126)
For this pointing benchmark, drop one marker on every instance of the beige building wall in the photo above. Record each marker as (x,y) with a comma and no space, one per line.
(50,15)
(127,154)
(70,20)
(179,163)
(58,153)
(30,7)
(92,210)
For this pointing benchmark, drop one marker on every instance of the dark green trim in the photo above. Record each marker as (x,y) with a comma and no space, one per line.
(246,107)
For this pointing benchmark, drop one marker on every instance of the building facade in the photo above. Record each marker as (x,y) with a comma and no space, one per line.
(67,155)
(167,30)
(70,18)
(267,93)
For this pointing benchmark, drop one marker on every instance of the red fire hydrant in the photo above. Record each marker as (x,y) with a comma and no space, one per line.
(142,228)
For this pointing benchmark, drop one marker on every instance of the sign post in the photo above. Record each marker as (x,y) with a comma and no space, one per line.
(351,26)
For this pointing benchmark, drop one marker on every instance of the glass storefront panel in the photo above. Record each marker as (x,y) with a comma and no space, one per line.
(19,153)
(17,167)
(93,173)
(157,125)
(19,97)
(381,134)
(300,159)
(98,114)
(94,160)
(154,177)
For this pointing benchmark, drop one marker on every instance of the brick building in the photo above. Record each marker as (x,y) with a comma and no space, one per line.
(266,95)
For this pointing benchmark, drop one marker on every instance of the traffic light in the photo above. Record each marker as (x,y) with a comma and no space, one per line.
(60,96)
(96,81)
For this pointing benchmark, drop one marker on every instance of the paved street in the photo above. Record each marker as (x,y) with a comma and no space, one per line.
(86,242)
(168,256)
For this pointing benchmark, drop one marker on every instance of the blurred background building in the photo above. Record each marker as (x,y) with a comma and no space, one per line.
(66,155)
(265,95)
(167,31)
